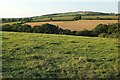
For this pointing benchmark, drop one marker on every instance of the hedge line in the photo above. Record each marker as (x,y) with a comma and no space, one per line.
(101,30)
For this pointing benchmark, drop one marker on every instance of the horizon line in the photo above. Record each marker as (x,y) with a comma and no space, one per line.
(61,12)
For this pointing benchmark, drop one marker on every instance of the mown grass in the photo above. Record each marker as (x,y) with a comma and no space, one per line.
(31,55)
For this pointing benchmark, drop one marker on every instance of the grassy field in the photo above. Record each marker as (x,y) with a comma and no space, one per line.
(8,23)
(103,17)
(76,25)
(71,17)
(57,18)
(65,18)
(31,55)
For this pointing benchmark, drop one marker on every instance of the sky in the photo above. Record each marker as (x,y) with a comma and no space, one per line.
(29,8)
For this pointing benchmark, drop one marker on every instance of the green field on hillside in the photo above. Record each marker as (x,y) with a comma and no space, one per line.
(106,17)
(64,18)
(71,18)
(10,23)
(32,55)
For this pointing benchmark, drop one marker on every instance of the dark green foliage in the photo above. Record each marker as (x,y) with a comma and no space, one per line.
(113,28)
(101,30)
(102,35)
(114,35)
(78,17)
(110,30)
(46,28)
(86,33)
(49,28)
(67,31)
(21,28)
(7,27)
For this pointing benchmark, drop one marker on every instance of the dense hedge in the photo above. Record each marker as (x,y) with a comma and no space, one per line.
(101,30)
(110,30)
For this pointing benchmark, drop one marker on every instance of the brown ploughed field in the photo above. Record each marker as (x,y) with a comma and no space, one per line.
(76,25)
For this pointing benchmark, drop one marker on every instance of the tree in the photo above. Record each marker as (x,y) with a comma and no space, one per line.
(113,28)
(101,28)
(46,28)
(78,17)
(26,28)
(7,27)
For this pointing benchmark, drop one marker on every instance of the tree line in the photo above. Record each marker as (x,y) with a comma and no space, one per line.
(101,30)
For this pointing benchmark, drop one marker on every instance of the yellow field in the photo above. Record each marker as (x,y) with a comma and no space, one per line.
(76,25)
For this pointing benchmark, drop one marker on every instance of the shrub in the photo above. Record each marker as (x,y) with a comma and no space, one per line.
(113,28)
(101,28)
(114,35)
(22,28)
(49,28)
(7,27)
(67,31)
(102,35)
(86,33)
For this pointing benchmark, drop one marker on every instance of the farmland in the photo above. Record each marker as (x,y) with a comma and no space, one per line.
(104,17)
(69,16)
(76,25)
(31,55)
(64,18)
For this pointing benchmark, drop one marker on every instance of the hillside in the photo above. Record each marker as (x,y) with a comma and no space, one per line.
(75,13)
(31,55)
(72,16)
(65,16)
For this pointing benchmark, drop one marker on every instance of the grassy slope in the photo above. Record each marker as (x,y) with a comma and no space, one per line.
(46,55)
(71,18)
(71,15)
(103,16)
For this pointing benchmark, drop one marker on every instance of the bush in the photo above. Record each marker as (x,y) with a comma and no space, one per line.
(21,28)
(46,28)
(102,35)
(67,31)
(7,27)
(113,28)
(101,28)
(114,35)
(86,33)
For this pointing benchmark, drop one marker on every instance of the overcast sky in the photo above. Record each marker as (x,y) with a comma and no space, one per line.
(28,8)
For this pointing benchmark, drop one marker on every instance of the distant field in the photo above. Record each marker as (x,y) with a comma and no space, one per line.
(9,23)
(31,55)
(76,25)
(63,18)
(66,18)
(100,17)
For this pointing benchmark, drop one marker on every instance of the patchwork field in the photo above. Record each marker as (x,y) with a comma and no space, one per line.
(76,25)
(100,17)
(31,55)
